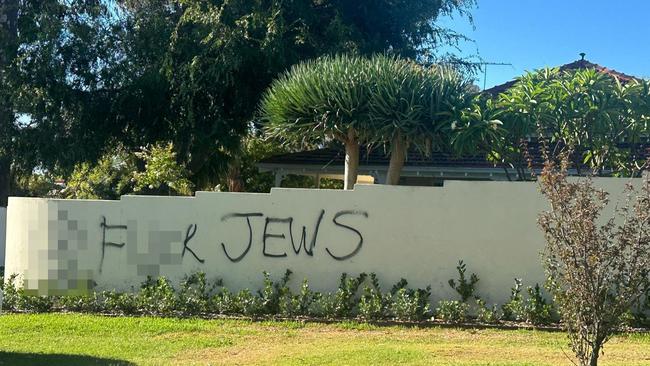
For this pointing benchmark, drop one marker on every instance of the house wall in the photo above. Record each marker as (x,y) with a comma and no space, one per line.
(417,233)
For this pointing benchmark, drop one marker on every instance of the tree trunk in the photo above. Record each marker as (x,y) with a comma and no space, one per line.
(235,182)
(595,352)
(398,150)
(351,160)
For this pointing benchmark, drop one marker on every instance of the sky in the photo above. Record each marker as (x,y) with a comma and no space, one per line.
(532,34)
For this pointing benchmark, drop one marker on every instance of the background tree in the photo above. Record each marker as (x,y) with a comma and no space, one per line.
(322,100)
(8,46)
(93,76)
(603,119)
(412,105)
(597,268)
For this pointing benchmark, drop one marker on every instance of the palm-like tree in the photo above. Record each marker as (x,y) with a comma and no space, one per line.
(383,100)
(413,105)
(319,101)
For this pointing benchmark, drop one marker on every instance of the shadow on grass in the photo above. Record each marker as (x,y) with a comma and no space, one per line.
(29,359)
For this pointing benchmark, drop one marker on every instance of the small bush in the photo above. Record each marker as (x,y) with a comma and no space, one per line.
(194,294)
(345,298)
(248,304)
(538,311)
(123,303)
(83,304)
(272,292)
(372,303)
(408,304)
(513,310)
(465,288)
(452,311)
(485,314)
(156,297)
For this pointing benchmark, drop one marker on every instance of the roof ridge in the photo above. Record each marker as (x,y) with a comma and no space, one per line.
(575,65)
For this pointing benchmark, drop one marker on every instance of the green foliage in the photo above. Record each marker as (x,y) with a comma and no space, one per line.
(378,98)
(585,109)
(485,314)
(413,103)
(15,299)
(153,170)
(465,288)
(452,311)
(110,178)
(273,292)
(80,304)
(156,297)
(89,76)
(514,308)
(372,304)
(162,174)
(120,303)
(299,304)
(319,100)
(345,300)
(409,304)
(535,309)
(538,310)
(195,294)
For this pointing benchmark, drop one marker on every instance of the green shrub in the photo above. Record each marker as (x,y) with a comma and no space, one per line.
(224,302)
(248,304)
(124,303)
(465,288)
(292,305)
(538,311)
(372,303)
(407,304)
(156,297)
(513,310)
(272,292)
(452,311)
(194,294)
(345,298)
(83,304)
(485,314)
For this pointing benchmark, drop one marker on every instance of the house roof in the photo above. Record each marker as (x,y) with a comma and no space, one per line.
(375,157)
(378,157)
(576,65)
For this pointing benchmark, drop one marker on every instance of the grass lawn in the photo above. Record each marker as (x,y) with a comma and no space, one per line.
(72,339)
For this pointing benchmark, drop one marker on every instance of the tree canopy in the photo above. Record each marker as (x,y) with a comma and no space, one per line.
(599,117)
(89,77)
(380,100)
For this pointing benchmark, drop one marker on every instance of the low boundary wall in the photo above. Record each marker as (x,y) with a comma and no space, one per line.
(417,233)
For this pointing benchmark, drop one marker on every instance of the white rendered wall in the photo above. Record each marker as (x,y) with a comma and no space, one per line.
(417,233)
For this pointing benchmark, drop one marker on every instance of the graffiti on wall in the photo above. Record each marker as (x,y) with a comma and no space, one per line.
(279,237)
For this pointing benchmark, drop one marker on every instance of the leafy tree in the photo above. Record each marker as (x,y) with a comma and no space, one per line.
(8,46)
(153,171)
(596,272)
(110,178)
(89,76)
(161,174)
(602,118)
